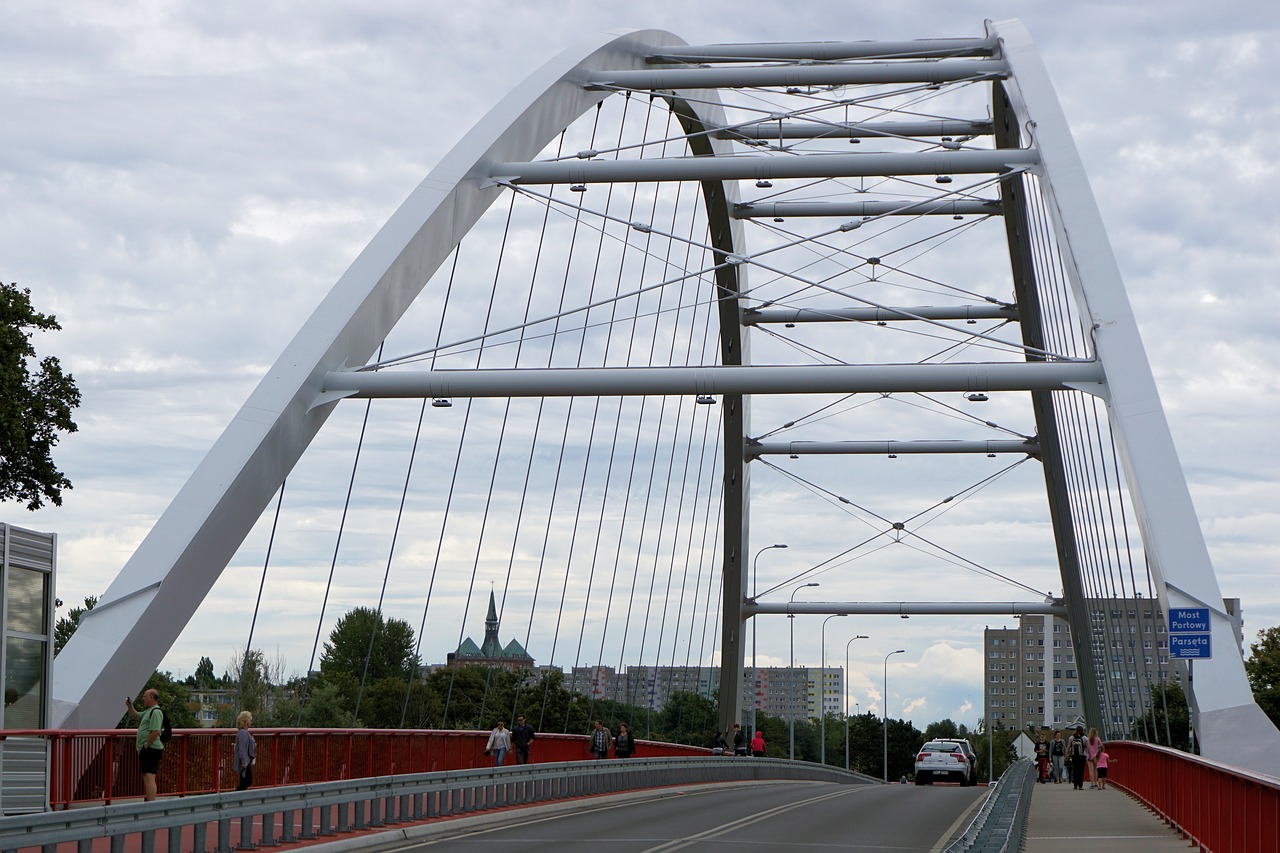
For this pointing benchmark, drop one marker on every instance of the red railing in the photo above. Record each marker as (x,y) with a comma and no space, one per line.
(101,765)
(1219,807)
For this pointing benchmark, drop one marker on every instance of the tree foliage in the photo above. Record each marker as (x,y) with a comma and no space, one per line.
(686,718)
(1263,670)
(391,656)
(175,701)
(1151,727)
(204,676)
(34,407)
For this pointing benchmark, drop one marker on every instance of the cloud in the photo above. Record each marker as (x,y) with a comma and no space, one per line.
(185,184)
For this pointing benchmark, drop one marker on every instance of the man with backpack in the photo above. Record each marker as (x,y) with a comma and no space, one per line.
(1076,756)
(149,742)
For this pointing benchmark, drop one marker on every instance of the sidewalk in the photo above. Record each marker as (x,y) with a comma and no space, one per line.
(1064,820)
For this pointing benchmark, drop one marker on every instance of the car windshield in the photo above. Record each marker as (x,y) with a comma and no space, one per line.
(941,747)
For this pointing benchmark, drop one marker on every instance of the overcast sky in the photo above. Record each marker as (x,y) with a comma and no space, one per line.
(183,183)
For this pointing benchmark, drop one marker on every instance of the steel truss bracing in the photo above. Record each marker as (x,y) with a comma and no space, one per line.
(835,186)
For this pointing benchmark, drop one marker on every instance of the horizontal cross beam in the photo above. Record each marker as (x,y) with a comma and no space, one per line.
(889,448)
(854,130)
(1053,607)
(932,207)
(705,381)
(765,316)
(791,76)
(825,51)
(876,164)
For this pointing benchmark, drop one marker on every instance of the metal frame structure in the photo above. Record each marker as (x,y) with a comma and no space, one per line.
(148,604)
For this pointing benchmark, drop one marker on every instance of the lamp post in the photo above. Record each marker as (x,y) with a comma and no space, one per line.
(822,690)
(755,587)
(886,711)
(846,697)
(791,673)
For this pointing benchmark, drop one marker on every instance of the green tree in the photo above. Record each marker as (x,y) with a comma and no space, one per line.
(66,625)
(942,729)
(866,733)
(1263,670)
(255,679)
(34,408)
(175,701)
(904,741)
(687,718)
(204,676)
(1001,739)
(1151,726)
(392,655)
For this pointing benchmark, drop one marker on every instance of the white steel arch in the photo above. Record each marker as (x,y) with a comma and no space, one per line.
(146,607)
(148,604)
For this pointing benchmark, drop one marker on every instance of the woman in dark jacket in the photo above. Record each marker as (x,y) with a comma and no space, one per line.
(624,744)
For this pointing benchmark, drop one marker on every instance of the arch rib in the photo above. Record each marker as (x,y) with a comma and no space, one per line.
(162,584)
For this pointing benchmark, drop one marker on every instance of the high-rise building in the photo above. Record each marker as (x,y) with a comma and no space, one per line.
(777,691)
(1032,678)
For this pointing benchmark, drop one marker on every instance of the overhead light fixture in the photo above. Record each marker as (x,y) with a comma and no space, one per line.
(441,403)
(706,400)
(977,397)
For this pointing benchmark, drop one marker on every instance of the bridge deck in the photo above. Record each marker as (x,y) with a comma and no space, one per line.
(1064,820)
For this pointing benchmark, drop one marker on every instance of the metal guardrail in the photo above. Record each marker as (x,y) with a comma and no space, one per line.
(1001,823)
(99,766)
(1216,806)
(303,812)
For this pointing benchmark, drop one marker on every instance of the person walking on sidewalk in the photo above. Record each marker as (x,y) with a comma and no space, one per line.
(522,735)
(1057,752)
(498,744)
(1092,748)
(1076,754)
(1103,761)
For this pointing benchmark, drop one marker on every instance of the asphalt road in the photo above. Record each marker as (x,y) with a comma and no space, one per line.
(767,817)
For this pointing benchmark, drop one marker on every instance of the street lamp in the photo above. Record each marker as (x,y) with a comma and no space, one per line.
(886,711)
(791,673)
(846,696)
(755,587)
(822,690)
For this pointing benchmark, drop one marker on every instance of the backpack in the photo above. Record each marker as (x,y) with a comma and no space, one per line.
(1076,749)
(166,730)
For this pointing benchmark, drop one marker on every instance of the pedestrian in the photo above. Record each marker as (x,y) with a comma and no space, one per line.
(246,750)
(739,740)
(148,743)
(719,744)
(1042,759)
(600,739)
(1057,752)
(522,735)
(1103,761)
(1092,748)
(757,744)
(1076,754)
(624,745)
(499,743)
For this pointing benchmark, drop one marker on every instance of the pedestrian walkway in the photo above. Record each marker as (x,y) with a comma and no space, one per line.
(1064,820)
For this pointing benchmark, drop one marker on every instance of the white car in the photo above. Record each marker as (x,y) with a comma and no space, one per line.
(949,760)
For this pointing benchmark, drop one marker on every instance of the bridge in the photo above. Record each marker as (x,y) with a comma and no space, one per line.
(662,291)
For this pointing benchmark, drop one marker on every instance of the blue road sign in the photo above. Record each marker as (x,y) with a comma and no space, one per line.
(1189,620)
(1190,646)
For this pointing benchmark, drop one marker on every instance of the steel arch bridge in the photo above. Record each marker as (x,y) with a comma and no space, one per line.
(955,253)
